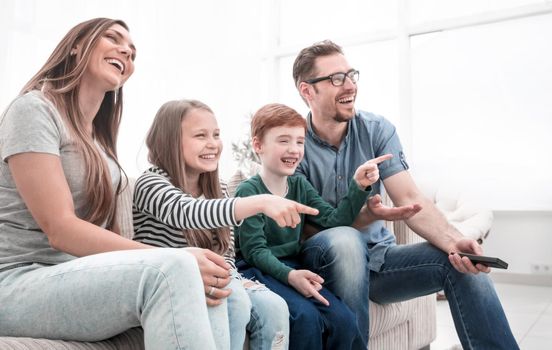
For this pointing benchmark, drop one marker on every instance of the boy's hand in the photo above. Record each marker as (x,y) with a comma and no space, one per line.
(307,283)
(368,173)
(286,212)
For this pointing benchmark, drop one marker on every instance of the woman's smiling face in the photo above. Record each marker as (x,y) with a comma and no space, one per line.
(111,62)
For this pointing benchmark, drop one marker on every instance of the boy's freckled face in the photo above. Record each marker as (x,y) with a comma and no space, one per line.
(282,149)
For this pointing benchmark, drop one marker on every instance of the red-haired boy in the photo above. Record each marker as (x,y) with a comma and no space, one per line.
(272,254)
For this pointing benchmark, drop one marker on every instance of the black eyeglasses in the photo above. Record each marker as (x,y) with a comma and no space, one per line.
(337,79)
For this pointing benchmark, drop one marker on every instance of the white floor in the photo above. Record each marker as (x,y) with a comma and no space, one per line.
(529,311)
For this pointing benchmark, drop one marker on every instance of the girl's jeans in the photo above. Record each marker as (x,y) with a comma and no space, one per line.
(263,313)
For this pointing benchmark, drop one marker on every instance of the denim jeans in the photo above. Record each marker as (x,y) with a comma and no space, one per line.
(269,325)
(312,324)
(98,296)
(409,271)
(239,311)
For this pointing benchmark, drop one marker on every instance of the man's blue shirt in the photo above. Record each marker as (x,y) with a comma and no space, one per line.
(329,169)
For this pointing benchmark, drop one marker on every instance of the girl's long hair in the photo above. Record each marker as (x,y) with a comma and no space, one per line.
(59,79)
(164,142)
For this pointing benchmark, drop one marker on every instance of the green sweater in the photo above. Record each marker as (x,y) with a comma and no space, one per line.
(260,239)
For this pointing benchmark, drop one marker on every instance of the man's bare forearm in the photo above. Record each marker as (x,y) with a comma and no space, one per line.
(429,223)
(432,225)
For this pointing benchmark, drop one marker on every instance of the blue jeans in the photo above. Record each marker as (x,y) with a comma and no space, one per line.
(269,325)
(98,296)
(409,271)
(239,311)
(312,324)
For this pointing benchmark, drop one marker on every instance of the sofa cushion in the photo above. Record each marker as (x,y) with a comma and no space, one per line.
(388,316)
(132,339)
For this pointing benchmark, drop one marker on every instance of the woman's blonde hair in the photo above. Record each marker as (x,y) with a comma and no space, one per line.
(59,79)
(164,142)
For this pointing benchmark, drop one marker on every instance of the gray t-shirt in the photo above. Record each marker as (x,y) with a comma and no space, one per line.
(32,124)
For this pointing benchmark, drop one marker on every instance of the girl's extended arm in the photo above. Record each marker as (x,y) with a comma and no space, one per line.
(156,196)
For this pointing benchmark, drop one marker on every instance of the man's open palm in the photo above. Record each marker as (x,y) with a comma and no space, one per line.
(383,212)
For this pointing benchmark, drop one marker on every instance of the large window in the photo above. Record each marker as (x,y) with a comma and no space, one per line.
(482,110)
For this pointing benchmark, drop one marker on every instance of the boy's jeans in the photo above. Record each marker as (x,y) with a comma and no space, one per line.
(312,324)
(98,296)
(339,255)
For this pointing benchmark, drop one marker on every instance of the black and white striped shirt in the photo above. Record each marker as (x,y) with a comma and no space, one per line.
(161,211)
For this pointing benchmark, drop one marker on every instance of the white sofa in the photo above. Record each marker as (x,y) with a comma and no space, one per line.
(406,325)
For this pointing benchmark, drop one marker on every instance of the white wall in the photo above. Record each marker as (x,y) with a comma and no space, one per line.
(521,238)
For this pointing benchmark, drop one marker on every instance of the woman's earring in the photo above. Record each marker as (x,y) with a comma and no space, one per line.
(73,52)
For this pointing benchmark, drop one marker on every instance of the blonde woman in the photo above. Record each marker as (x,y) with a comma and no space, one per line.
(65,273)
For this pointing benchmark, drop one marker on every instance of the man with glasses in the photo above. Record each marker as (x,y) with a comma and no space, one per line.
(357,264)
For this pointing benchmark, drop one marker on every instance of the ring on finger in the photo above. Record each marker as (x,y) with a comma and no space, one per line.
(211,291)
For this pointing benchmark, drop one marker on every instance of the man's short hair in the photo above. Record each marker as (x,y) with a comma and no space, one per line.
(303,67)
(274,115)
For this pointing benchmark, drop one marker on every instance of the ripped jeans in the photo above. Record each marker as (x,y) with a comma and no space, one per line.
(263,313)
